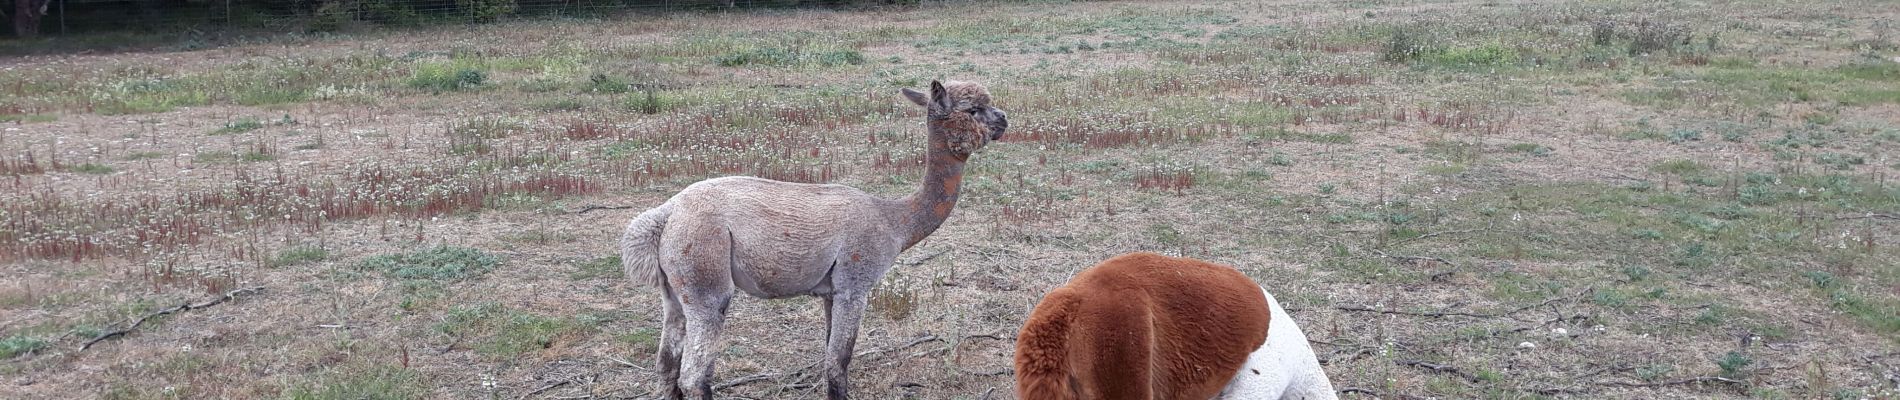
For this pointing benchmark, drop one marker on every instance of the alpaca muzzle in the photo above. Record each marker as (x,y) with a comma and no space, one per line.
(996,128)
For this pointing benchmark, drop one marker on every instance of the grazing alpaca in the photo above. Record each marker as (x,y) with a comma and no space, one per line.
(1146,326)
(1141,326)
(1284,368)
(777,239)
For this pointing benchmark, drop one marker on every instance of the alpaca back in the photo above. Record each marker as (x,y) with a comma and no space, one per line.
(1142,326)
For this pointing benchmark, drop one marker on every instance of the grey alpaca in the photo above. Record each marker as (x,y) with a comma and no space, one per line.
(779,239)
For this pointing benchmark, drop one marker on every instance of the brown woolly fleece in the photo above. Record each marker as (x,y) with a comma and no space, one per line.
(1141,326)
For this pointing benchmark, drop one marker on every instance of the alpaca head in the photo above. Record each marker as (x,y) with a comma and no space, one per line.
(960,115)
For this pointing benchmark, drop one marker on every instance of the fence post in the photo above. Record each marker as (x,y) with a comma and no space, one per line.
(62,17)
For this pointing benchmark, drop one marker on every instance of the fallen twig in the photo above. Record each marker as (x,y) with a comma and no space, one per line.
(1431,235)
(1442,314)
(544,389)
(925,258)
(987,392)
(999,372)
(179,308)
(617,360)
(584,210)
(1439,368)
(913,343)
(1415,258)
(806,371)
(744,380)
(1374,393)
(1870,216)
(1622,176)
(1699,379)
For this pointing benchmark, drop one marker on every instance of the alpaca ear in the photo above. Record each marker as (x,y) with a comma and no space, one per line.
(916,97)
(940,96)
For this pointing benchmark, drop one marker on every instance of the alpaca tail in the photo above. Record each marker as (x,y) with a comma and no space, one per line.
(1042,354)
(640,246)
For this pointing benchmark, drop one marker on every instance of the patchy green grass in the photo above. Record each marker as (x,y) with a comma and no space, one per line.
(359,382)
(784,57)
(296,255)
(1532,149)
(92,169)
(498,331)
(599,268)
(1748,235)
(241,125)
(145,155)
(28,118)
(440,263)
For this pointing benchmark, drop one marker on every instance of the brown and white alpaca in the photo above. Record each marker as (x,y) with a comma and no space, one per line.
(777,239)
(1144,326)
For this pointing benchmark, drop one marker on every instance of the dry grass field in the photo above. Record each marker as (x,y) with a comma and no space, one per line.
(1457,199)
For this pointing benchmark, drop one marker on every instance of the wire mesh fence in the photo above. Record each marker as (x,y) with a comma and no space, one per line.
(68,17)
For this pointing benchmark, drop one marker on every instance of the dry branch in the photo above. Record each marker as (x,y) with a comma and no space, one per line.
(744,380)
(584,210)
(1414,258)
(1870,216)
(544,389)
(178,308)
(1441,368)
(925,258)
(1699,379)
(1375,393)
(913,343)
(1442,314)
(1431,235)
(617,360)
(800,374)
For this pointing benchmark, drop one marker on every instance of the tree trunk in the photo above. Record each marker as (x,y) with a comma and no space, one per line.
(26,17)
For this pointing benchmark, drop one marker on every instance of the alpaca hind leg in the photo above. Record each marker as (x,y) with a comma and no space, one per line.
(704,321)
(844,312)
(672,333)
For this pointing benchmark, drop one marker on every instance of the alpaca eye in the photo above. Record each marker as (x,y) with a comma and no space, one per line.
(976,110)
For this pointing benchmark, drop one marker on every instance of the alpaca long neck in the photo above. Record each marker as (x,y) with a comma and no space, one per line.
(931,204)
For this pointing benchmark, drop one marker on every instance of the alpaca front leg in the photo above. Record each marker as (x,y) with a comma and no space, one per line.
(844,312)
(672,333)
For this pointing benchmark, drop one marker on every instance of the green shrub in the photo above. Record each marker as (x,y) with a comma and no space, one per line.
(1732,364)
(648,102)
(603,83)
(20,344)
(445,77)
(1402,47)
(1280,159)
(1650,37)
(486,10)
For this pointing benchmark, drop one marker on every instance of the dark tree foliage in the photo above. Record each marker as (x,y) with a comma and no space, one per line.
(26,18)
